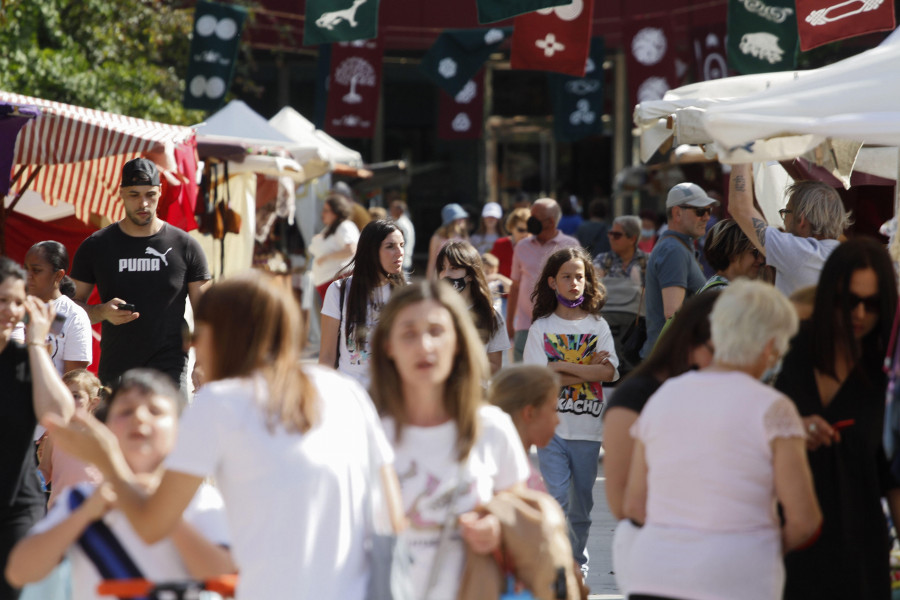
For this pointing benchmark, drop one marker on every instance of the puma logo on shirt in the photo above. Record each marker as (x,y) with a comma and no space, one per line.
(144,264)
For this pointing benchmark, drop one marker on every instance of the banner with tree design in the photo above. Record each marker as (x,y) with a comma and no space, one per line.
(354,89)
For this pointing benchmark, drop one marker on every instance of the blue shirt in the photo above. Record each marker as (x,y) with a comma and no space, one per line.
(672,264)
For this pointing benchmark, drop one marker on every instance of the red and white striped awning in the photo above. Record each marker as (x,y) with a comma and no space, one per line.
(81,152)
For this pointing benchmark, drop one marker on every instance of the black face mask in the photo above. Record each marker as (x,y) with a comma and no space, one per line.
(534,226)
(458,284)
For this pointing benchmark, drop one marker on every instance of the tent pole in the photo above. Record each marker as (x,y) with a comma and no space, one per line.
(5,211)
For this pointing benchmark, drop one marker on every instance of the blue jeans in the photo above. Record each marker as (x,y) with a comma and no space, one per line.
(569,468)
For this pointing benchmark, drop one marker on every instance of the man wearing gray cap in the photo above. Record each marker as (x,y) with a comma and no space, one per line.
(144,270)
(673,272)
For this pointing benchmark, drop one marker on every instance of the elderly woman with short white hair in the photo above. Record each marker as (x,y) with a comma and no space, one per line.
(714,450)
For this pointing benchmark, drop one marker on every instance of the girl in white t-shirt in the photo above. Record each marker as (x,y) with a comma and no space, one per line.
(459,264)
(352,304)
(70,346)
(141,420)
(293,449)
(452,451)
(569,336)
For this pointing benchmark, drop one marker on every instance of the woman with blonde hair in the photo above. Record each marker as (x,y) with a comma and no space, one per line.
(452,451)
(292,448)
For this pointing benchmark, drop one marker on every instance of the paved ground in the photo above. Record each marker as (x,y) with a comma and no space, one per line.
(600,577)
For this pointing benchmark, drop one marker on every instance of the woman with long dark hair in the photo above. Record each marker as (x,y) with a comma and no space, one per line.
(458,263)
(335,245)
(352,304)
(834,375)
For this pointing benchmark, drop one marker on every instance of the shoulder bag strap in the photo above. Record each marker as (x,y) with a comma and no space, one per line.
(342,291)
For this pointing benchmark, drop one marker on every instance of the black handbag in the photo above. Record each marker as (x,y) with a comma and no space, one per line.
(634,337)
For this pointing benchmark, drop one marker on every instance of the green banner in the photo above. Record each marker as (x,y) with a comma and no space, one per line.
(458,54)
(214,50)
(490,11)
(330,21)
(578,101)
(762,36)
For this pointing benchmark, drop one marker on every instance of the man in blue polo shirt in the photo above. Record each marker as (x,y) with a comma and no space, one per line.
(673,272)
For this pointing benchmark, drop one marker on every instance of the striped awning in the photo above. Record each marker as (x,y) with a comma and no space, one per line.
(81,151)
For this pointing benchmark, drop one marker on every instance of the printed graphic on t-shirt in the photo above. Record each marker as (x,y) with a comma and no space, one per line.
(359,354)
(429,506)
(145,264)
(576,348)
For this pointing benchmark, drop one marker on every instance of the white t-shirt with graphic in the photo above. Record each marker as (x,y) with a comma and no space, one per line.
(353,360)
(427,466)
(553,338)
(74,342)
(297,503)
(157,562)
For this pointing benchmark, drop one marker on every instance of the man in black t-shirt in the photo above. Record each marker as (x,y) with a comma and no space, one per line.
(144,262)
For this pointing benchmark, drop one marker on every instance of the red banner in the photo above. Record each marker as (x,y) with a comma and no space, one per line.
(709,52)
(353,89)
(461,117)
(650,59)
(554,39)
(822,21)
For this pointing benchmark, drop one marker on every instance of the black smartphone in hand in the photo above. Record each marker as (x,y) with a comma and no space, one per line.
(126,306)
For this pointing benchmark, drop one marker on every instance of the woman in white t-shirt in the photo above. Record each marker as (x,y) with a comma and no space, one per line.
(46,264)
(453,452)
(292,448)
(459,264)
(334,246)
(714,451)
(351,305)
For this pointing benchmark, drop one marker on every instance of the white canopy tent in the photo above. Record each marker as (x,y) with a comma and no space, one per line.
(312,142)
(841,116)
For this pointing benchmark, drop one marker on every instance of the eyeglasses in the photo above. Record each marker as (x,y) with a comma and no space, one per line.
(615,234)
(522,229)
(700,212)
(784,211)
(871,304)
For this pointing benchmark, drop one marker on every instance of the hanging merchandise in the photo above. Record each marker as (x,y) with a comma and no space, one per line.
(650,59)
(820,22)
(353,89)
(461,117)
(578,101)
(458,54)
(213,54)
(490,11)
(554,39)
(762,36)
(340,21)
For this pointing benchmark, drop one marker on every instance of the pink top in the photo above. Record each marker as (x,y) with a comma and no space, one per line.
(67,471)
(710,488)
(529,257)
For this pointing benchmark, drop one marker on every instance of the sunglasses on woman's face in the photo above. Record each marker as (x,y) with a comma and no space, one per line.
(871,304)
(522,229)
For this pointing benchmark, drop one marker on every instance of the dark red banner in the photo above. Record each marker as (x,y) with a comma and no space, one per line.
(650,59)
(554,39)
(822,21)
(461,117)
(353,89)
(709,52)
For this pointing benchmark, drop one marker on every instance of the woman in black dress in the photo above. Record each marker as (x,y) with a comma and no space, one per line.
(834,374)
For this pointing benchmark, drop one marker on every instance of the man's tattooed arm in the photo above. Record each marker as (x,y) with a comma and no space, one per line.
(760,227)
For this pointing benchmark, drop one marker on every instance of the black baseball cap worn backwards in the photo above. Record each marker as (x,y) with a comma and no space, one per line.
(139,171)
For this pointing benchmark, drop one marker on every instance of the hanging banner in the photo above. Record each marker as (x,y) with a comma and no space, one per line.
(461,117)
(490,11)
(458,54)
(650,59)
(820,22)
(578,101)
(353,89)
(214,50)
(554,39)
(762,36)
(330,21)
(709,52)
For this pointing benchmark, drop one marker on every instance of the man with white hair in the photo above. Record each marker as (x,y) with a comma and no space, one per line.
(673,271)
(814,219)
(529,257)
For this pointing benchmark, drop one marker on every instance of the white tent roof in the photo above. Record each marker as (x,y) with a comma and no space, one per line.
(313,142)
(826,114)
